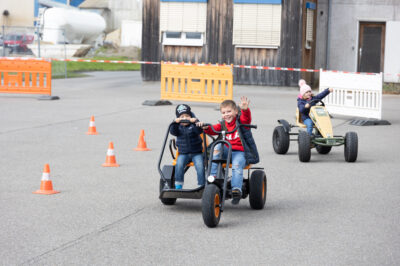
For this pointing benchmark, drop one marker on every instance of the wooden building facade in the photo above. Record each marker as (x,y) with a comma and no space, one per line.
(277,33)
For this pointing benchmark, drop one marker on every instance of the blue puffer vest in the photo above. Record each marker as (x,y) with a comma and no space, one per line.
(187,138)
(249,145)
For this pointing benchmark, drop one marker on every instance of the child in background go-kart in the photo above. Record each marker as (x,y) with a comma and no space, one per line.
(189,145)
(240,152)
(304,103)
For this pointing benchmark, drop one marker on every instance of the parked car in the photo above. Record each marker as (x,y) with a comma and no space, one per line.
(18,42)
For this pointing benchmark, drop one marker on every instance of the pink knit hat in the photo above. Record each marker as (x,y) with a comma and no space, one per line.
(303,87)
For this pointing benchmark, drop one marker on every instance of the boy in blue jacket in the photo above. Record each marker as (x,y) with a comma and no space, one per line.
(304,103)
(189,145)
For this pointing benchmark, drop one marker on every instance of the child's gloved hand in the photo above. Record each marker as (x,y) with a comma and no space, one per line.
(244,103)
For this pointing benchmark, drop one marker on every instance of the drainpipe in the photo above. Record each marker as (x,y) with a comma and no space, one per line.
(328,35)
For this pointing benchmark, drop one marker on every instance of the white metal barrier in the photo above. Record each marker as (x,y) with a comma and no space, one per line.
(354,94)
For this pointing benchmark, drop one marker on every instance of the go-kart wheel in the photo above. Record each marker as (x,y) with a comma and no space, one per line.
(166,201)
(258,189)
(350,147)
(211,205)
(323,149)
(304,146)
(280,140)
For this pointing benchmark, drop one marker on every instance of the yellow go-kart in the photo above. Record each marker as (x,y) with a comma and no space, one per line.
(323,139)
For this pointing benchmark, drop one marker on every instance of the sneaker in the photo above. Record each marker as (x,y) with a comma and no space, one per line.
(236,196)
(178,186)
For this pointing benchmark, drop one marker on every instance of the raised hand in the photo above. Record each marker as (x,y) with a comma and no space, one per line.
(244,103)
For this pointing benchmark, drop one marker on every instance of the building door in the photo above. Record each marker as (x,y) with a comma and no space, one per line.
(371,47)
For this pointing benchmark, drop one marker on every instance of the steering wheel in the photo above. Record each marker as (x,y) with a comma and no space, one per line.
(315,101)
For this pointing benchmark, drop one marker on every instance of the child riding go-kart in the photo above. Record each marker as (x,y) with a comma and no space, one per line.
(168,192)
(322,139)
(217,188)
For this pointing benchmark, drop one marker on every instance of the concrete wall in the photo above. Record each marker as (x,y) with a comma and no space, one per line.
(343,29)
(125,10)
(392,52)
(17,16)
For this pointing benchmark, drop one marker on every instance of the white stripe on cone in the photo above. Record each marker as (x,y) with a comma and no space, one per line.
(110,152)
(45,177)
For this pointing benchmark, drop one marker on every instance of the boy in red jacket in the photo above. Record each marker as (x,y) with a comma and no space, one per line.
(229,113)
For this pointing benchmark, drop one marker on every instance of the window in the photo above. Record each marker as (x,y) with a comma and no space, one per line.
(182,38)
(257,23)
(183,22)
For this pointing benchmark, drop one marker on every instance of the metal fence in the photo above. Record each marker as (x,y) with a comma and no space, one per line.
(28,42)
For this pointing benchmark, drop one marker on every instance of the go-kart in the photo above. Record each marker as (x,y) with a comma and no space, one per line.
(218,188)
(323,139)
(168,193)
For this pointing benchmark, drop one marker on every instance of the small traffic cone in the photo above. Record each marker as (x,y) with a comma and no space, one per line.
(46,186)
(110,159)
(142,143)
(92,127)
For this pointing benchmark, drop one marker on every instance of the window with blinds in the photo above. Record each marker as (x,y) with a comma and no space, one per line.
(257,23)
(188,18)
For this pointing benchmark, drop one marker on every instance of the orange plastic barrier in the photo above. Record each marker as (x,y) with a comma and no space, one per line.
(29,76)
(196,83)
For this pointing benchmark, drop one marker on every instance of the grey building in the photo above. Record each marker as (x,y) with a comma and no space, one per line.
(359,36)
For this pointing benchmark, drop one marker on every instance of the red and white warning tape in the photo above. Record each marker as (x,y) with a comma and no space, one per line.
(199,64)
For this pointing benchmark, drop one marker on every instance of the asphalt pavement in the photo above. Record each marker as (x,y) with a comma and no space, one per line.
(325,212)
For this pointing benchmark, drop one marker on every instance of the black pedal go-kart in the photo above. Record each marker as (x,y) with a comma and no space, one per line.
(168,193)
(217,188)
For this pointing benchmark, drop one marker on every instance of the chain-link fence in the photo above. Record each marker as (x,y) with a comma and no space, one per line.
(28,42)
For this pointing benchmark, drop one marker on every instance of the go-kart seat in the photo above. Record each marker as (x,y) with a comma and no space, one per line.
(191,163)
(230,166)
(299,121)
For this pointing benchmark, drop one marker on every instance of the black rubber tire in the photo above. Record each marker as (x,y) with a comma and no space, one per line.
(323,149)
(211,205)
(258,189)
(280,140)
(350,147)
(304,146)
(166,201)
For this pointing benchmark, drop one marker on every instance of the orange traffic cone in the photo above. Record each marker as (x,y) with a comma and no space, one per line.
(142,143)
(92,127)
(110,159)
(46,186)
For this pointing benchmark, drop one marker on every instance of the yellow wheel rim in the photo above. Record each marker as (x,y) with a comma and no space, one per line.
(263,189)
(216,205)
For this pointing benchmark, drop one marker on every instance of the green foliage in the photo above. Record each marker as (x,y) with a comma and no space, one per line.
(391,88)
(58,67)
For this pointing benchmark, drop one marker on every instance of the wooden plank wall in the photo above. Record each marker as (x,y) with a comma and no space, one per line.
(287,55)
(308,55)
(150,39)
(183,54)
(219,48)
(219,32)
